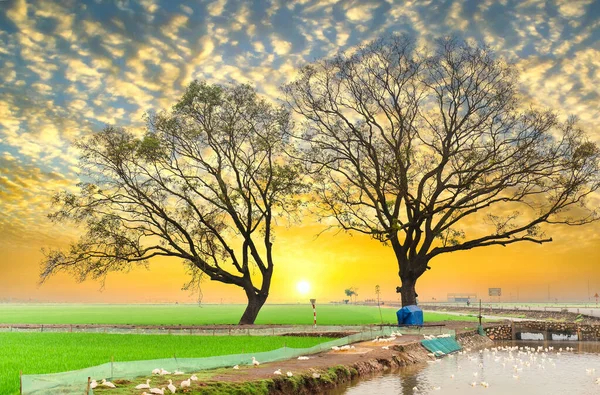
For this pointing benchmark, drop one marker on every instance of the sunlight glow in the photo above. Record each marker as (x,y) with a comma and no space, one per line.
(303,287)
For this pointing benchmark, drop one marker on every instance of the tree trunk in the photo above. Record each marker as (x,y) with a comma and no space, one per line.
(255,302)
(409,296)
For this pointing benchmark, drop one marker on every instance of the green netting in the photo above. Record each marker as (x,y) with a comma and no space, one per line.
(443,344)
(75,382)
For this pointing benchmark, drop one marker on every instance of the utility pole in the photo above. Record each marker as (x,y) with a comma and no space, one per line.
(378,291)
(589,294)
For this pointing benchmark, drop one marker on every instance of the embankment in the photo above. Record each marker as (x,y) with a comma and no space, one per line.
(325,371)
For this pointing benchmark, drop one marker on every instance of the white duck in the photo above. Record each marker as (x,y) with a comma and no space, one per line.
(157,391)
(194,377)
(302,358)
(186,383)
(164,372)
(255,362)
(277,372)
(107,384)
(236,367)
(156,371)
(171,387)
(178,373)
(143,386)
(93,384)
(289,374)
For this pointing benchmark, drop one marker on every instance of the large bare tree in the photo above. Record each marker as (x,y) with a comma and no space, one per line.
(433,150)
(205,183)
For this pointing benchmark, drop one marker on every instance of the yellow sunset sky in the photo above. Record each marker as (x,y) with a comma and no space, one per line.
(68,68)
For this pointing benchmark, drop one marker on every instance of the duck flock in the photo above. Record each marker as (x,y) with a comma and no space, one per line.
(172,388)
(153,390)
(512,359)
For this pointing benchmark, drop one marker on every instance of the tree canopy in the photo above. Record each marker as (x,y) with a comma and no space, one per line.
(434,150)
(205,183)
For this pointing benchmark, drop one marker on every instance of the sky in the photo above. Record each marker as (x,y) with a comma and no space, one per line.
(68,68)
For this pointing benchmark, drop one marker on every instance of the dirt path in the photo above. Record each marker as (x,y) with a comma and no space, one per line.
(361,351)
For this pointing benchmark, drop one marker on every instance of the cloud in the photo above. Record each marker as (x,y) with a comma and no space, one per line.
(216,7)
(280,47)
(18,12)
(360,12)
(573,8)
(69,67)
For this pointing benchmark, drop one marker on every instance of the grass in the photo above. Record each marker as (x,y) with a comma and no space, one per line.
(37,353)
(194,315)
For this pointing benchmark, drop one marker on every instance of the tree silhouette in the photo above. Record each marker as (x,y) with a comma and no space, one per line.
(432,150)
(204,184)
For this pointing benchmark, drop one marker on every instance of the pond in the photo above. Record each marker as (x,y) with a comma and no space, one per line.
(516,367)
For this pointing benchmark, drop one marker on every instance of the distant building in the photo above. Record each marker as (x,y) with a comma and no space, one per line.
(462,297)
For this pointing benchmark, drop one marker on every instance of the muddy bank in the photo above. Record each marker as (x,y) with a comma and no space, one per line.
(403,353)
(321,372)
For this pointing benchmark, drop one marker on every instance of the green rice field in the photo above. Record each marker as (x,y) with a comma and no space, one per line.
(36,353)
(205,315)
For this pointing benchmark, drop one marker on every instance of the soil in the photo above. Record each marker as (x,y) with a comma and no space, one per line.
(335,335)
(529,314)
(457,325)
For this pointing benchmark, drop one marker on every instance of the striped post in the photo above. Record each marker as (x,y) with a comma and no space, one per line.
(313,302)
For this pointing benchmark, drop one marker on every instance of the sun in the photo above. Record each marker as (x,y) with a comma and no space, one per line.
(303,287)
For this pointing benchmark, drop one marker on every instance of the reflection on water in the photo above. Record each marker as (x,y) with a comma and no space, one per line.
(506,372)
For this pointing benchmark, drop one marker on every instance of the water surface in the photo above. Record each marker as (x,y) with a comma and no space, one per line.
(505,372)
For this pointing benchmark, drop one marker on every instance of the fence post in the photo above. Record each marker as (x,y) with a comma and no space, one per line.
(20,382)
(87,389)
(112,359)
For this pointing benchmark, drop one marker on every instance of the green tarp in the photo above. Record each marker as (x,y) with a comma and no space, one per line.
(446,345)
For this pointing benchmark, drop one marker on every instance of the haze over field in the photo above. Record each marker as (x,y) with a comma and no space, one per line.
(69,68)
